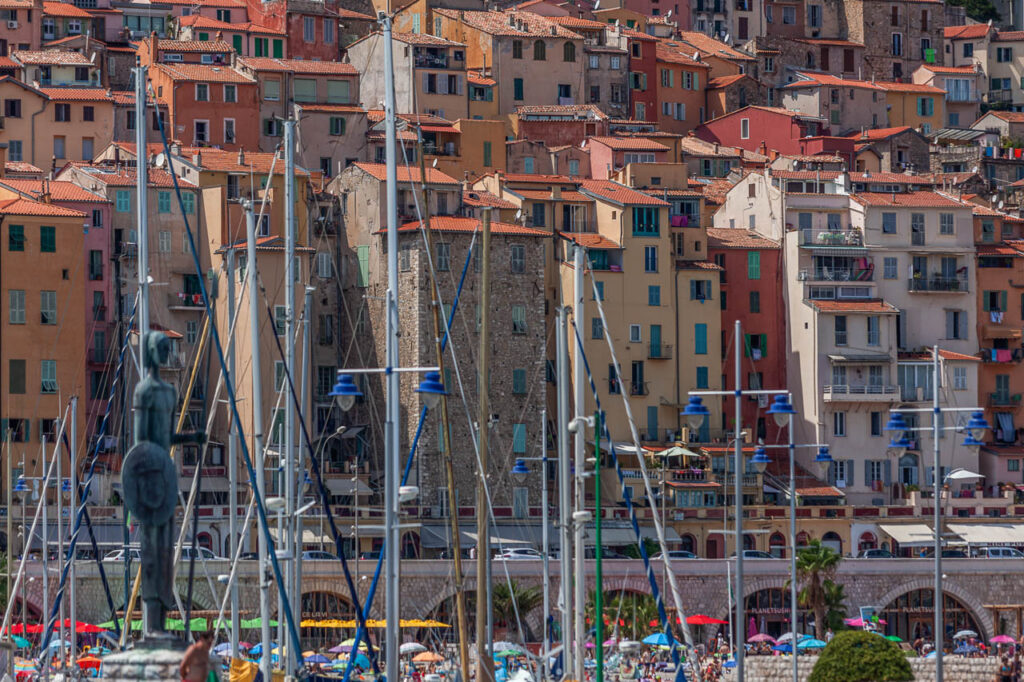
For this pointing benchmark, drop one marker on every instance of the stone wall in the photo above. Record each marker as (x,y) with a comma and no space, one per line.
(780,668)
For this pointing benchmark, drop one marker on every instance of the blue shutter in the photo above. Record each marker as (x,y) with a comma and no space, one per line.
(519,438)
(700,341)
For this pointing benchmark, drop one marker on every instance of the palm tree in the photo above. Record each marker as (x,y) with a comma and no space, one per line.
(835,595)
(510,599)
(816,564)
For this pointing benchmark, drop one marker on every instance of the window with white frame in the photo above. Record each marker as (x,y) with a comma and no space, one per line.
(635,334)
(959,378)
(324,266)
(202,92)
(164,241)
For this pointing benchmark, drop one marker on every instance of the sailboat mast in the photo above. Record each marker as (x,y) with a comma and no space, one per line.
(485,667)
(392,547)
(141,204)
(232,457)
(73,477)
(287,538)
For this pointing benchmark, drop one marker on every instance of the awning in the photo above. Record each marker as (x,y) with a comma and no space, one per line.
(831,250)
(352,432)
(998,331)
(438,535)
(990,533)
(863,358)
(909,534)
(308,537)
(618,536)
(346,486)
(207,484)
(696,484)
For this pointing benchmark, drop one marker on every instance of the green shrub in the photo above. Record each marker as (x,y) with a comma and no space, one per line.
(858,656)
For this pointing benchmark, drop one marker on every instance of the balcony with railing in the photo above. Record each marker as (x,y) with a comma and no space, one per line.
(937,284)
(1003,399)
(852,237)
(428,58)
(183,300)
(659,351)
(848,274)
(1001,355)
(861,393)
(638,388)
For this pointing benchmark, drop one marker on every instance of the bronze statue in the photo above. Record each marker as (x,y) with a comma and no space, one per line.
(150,482)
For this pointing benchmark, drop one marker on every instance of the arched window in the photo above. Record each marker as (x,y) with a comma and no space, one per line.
(831,539)
(802,539)
(688,544)
(867,541)
(777,545)
(539,51)
(204,540)
(713,547)
(568,52)
(749,542)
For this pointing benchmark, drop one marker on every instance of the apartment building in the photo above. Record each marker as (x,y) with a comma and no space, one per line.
(209,105)
(682,81)
(962,85)
(898,35)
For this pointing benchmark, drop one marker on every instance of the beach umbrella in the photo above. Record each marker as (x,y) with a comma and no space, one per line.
(361,660)
(351,641)
(964,634)
(316,658)
(1001,639)
(628,645)
(258,649)
(428,657)
(789,635)
(21,642)
(658,638)
(222,649)
(893,638)
(751,628)
(89,662)
(965,649)
(810,644)
(507,653)
(785,648)
(610,642)
(411,648)
(761,637)
(701,619)
(503,645)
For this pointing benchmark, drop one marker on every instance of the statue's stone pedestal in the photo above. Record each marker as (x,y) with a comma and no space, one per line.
(144,664)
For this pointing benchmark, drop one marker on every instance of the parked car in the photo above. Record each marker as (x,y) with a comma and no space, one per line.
(753,554)
(118,555)
(675,554)
(370,556)
(875,554)
(201,552)
(947,554)
(317,555)
(997,553)
(249,556)
(519,554)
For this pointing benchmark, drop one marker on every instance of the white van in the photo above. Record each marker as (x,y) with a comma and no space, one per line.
(998,553)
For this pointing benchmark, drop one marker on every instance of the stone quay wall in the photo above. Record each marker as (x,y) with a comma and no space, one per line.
(780,668)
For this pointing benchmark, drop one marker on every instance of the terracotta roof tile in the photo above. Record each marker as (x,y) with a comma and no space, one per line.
(566,111)
(64,9)
(591,240)
(890,178)
(805,174)
(545,195)
(579,22)
(815,79)
(998,250)
(470,225)
(829,42)
(204,73)
(474,78)
(820,491)
(332,108)
(629,144)
(498,23)
(479,197)
(950,69)
(15,4)
(909,199)
(619,194)
(425,39)
(303,66)
(352,14)
(697,265)
(406,174)
(221,161)
(970,31)
(21,167)
(890,86)
(874,305)
(879,133)
(77,94)
(725,81)
(944,354)
(7,63)
(1008,36)
(540,178)
(708,46)
(48,57)
(123,178)
(193,46)
(205,3)
(1008,116)
(60,190)
(724,238)
(36,208)
(674,53)
(199,21)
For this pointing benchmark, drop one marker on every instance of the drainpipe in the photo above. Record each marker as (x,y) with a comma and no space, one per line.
(34,161)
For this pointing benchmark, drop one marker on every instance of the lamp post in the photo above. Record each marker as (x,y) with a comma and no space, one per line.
(696,413)
(345,393)
(899,443)
(783,412)
(21,492)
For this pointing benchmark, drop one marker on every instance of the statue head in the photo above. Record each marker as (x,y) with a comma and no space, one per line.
(158,348)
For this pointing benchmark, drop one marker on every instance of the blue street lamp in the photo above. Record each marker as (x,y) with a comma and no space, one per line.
(520,468)
(760,459)
(345,392)
(899,443)
(781,409)
(431,389)
(696,412)
(20,486)
(977,426)
(822,460)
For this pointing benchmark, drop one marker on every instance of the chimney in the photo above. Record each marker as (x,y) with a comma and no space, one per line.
(763,149)
(556,192)
(220,36)
(45,196)
(3,159)
(153,47)
(175,149)
(241,157)
(197,159)
(716,148)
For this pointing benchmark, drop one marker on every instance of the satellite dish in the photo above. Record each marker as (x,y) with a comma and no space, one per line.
(159,160)
(583,144)
(1000,205)
(597,4)
(519,214)
(994,197)
(616,23)
(726,38)
(974,170)
(668,14)
(434,164)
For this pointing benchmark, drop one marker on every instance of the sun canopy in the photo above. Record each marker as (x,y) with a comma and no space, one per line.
(990,533)
(909,534)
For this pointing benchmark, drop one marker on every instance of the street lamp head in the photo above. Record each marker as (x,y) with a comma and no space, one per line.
(520,470)
(822,460)
(896,422)
(696,412)
(971,442)
(432,389)
(899,445)
(977,425)
(781,409)
(20,486)
(760,459)
(345,392)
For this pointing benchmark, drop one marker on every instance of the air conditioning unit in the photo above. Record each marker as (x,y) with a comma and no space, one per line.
(12,24)
(803,276)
